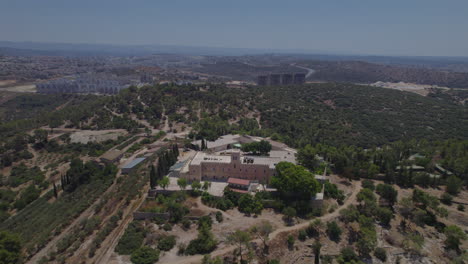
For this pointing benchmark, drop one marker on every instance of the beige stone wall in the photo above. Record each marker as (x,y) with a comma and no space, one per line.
(223,171)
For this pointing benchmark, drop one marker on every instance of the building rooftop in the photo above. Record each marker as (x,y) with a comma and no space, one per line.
(322,177)
(270,161)
(133,163)
(178,166)
(203,157)
(238,181)
(318,196)
(284,155)
(221,141)
(111,154)
(412,167)
(442,170)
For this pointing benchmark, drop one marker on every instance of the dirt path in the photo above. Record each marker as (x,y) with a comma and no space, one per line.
(107,248)
(220,252)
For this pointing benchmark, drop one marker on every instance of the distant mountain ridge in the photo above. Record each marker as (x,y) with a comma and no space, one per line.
(83,49)
(71,49)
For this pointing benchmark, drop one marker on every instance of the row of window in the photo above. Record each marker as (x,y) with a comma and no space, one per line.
(205,177)
(229,169)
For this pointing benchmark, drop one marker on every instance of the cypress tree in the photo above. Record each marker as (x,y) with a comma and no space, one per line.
(62,180)
(173,156)
(162,165)
(55,190)
(158,171)
(153,177)
(175,151)
(169,160)
(202,144)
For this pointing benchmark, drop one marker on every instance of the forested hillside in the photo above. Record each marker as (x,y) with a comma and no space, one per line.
(364,72)
(356,115)
(360,131)
(328,113)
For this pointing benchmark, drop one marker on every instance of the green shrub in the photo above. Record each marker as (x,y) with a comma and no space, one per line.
(219,217)
(205,221)
(166,243)
(333,231)
(446,198)
(347,255)
(10,248)
(131,240)
(302,235)
(203,244)
(313,229)
(369,184)
(290,241)
(167,227)
(145,255)
(186,224)
(159,220)
(381,254)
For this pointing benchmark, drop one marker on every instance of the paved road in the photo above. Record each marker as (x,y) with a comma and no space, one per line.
(309,70)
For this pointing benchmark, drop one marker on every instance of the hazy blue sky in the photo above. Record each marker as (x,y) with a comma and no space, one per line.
(392,27)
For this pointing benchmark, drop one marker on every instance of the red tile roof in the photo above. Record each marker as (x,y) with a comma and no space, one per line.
(238,181)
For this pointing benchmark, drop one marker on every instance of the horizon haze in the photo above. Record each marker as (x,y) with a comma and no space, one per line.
(397,28)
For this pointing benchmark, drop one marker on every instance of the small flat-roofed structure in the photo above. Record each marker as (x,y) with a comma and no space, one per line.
(416,156)
(317,200)
(127,168)
(412,167)
(442,170)
(111,156)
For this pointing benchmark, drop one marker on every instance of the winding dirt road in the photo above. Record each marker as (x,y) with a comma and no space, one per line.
(356,187)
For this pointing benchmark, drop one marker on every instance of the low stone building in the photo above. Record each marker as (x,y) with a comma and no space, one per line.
(208,167)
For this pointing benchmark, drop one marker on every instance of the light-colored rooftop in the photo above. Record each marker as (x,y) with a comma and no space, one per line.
(111,154)
(221,141)
(284,155)
(203,157)
(412,167)
(321,177)
(318,196)
(270,161)
(133,163)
